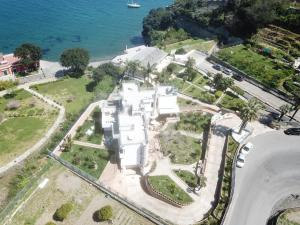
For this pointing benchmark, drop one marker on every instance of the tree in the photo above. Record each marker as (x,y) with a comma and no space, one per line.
(77,59)
(222,83)
(190,63)
(249,112)
(105,213)
(29,55)
(284,109)
(147,71)
(106,69)
(62,212)
(293,86)
(132,67)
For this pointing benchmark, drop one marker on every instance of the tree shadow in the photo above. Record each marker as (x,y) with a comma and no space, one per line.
(95,217)
(90,87)
(220,130)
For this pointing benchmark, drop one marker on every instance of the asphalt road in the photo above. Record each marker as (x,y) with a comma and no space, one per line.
(253,90)
(271,173)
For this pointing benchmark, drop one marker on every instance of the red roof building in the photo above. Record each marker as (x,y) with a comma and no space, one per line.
(8,66)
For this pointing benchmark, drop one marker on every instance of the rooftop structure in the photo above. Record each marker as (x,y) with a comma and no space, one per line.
(127,116)
(7,63)
(143,54)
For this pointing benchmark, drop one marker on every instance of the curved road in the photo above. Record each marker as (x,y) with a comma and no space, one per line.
(271,173)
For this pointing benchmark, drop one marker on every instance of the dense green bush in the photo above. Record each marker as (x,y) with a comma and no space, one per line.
(62,212)
(105,213)
(218,94)
(238,90)
(7,84)
(180,51)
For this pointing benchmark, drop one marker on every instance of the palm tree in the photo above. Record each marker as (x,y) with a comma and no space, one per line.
(296,107)
(284,109)
(147,71)
(132,67)
(249,112)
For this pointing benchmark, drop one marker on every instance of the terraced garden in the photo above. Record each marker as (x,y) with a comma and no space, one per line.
(166,186)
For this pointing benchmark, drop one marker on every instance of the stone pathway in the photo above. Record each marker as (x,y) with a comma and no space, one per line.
(87,144)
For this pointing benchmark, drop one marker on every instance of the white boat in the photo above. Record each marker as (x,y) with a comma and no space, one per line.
(133,5)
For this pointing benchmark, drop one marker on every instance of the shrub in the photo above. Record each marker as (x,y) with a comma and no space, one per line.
(62,212)
(13,105)
(238,90)
(180,51)
(105,213)
(50,223)
(7,84)
(218,94)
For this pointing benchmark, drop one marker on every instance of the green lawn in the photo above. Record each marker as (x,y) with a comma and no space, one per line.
(189,178)
(262,68)
(203,96)
(18,134)
(193,122)
(180,148)
(70,92)
(190,44)
(231,101)
(200,80)
(183,102)
(90,160)
(166,186)
(22,127)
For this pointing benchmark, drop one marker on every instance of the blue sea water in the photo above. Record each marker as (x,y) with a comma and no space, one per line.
(102,27)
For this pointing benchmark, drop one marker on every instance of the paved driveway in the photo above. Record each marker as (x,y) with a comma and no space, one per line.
(271,173)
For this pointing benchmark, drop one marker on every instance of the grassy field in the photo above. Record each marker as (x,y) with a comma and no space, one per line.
(90,160)
(168,187)
(262,68)
(203,96)
(193,122)
(190,44)
(180,148)
(63,186)
(70,92)
(22,127)
(189,178)
(231,101)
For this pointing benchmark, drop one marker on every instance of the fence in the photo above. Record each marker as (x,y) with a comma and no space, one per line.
(116,196)
(22,195)
(273,91)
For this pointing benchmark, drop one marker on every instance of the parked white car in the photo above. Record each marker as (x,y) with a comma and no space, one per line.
(247,148)
(240,162)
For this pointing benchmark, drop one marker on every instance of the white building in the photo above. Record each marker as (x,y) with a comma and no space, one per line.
(127,116)
(145,55)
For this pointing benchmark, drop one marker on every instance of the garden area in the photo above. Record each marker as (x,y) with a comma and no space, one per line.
(166,186)
(191,44)
(91,130)
(24,119)
(201,95)
(71,198)
(289,217)
(231,101)
(77,93)
(180,148)
(193,122)
(72,93)
(90,160)
(262,68)
(189,178)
